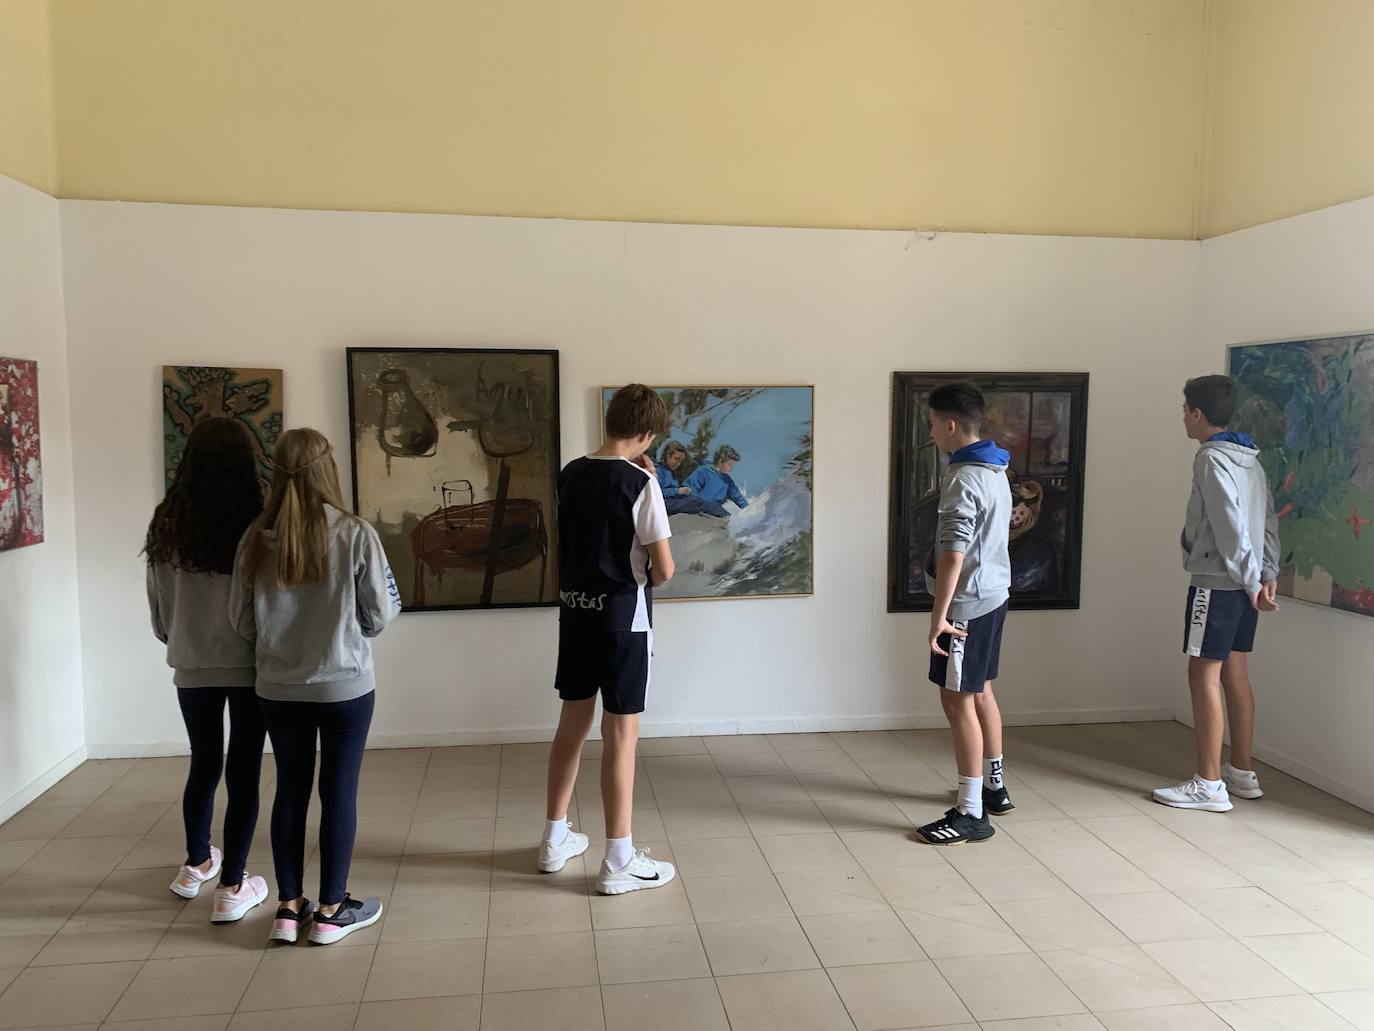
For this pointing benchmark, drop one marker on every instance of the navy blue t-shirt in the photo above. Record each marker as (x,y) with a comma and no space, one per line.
(609,511)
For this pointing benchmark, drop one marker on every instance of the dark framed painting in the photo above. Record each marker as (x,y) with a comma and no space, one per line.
(1310,406)
(191,393)
(455,456)
(735,468)
(1042,419)
(21,457)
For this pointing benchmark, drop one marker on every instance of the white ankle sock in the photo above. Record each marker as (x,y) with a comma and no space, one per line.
(992,771)
(1212,785)
(971,796)
(555,831)
(619,852)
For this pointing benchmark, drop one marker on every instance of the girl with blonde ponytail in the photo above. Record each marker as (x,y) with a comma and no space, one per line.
(312,587)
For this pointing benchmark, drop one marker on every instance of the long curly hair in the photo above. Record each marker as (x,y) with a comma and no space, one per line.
(214,498)
(304,481)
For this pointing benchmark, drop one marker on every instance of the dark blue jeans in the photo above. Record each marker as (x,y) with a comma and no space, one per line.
(341,730)
(203,710)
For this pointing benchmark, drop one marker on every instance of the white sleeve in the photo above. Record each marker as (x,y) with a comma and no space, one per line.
(651,517)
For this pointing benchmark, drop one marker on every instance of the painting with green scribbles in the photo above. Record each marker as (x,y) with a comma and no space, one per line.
(1310,406)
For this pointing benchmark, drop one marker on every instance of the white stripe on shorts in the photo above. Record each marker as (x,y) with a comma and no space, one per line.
(954,668)
(1197,620)
(649,663)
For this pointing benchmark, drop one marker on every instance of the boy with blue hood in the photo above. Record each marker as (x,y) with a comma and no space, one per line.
(1231,549)
(969,575)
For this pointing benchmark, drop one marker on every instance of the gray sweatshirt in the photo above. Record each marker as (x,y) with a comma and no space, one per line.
(975,518)
(1231,536)
(314,641)
(190,613)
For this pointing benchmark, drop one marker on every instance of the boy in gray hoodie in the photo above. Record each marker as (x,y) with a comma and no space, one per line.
(1231,549)
(969,575)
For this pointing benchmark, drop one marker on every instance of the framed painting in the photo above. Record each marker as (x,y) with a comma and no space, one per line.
(1041,418)
(21,458)
(736,471)
(194,392)
(1310,406)
(455,463)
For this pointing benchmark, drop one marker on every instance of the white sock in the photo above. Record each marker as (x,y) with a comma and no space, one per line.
(556,831)
(971,796)
(1237,769)
(619,852)
(1212,785)
(992,771)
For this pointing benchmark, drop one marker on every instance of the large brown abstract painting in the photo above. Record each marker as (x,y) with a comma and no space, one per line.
(455,461)
(191,393)
(21,462)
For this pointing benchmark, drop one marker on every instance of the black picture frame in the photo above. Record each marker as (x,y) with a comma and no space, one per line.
(914,489)
(549,518)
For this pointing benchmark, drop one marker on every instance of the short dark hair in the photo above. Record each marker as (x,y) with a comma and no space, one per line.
(963,402)
(634,411)
(671,448)
(725,453)
(1214,396)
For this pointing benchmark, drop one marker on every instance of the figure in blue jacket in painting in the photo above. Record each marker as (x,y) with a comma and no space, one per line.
(677,498)
(713,485)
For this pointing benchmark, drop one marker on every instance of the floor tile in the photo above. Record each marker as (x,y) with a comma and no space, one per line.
(687,1005)
(464,755)
(1059,923)
(650,954)
(428,837)
(1355,1007)
(721,857)
(890,995)
(1332,906)
(1220,970)
(1154,916)
(1193,1017)
(791,1001)
(749,897)
(757,946)
(441,873)
(539,911)
(105,938)
(449,915)
(527,962)
(212,1022)
(826,850)
(855,939)
(450,1013)
(299,975)
(1297,1011)
(1024,987)
(1317,962)
(186,987)
(705,822)
(412,970)
(557,1009)
(814,892)
(655,907)
(767,818)
(44,996)
(1116,977)
(951,932)
(917,887)
(1247,911)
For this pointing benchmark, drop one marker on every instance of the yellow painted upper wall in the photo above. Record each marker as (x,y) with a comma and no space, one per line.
(1032,116)
(1292,120)
(26,146)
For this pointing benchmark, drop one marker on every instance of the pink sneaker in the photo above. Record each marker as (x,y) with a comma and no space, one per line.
(189,880)
(232,904)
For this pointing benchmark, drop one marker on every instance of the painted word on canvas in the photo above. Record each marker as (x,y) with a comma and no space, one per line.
(735,468)
(191,393)
(21,461)
(1310,406)
(455,462)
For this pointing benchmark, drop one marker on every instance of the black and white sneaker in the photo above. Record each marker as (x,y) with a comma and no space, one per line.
(352,915)
(996,801)
(286,926)
(955,829)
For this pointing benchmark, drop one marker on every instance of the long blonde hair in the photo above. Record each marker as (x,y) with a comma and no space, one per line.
(304,480)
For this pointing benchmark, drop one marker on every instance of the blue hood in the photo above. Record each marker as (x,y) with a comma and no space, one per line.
(1231,437)
(985,451)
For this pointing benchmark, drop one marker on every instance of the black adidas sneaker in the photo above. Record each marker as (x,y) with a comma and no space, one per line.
(996,801)
(956,828)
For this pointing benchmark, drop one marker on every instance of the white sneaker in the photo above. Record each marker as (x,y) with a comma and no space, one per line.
(1194,794)
(189,880)
(553,858)
(231,904)
(639,873)
(1241,783)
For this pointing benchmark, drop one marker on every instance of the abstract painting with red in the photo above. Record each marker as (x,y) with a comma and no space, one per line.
(21,466)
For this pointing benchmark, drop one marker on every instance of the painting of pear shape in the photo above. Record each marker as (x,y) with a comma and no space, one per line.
(455,458)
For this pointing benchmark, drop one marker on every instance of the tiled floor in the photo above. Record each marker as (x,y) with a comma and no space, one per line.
(802,903)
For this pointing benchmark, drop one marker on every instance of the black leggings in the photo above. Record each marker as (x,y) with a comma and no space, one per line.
(203,710)
(341,729)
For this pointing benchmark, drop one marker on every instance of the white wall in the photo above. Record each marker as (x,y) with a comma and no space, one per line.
(1313,667)
(148,284)
(41,726)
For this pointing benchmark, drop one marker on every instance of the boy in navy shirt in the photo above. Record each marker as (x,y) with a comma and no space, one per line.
(613,550)
(1231,549)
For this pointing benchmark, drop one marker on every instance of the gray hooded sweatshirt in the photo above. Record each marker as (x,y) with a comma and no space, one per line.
(1231,536)
(190,613)
(975,518)
(313,642)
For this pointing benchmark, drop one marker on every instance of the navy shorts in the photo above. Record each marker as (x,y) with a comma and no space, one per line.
(1217,623)
(972,660)
(613,662)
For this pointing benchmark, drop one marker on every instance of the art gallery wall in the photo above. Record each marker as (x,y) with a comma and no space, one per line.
(150,284)
(1306,276)
(42,732)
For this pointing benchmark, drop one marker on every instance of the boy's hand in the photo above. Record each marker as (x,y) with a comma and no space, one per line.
(645,462)
(1268,597)
(684,490)
(939,627)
